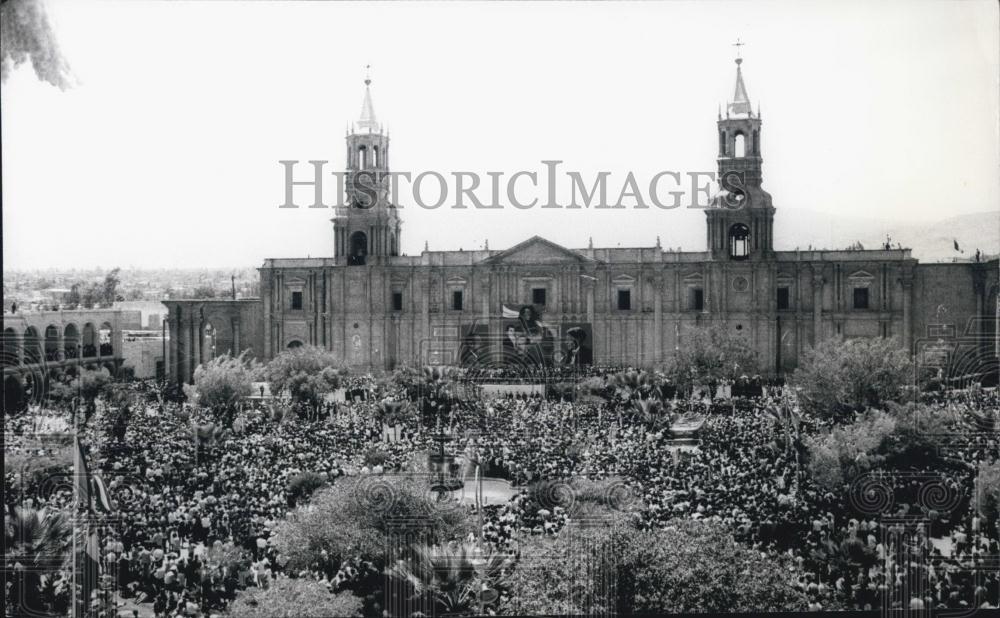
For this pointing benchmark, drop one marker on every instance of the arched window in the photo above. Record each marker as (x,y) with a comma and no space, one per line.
(362,157)
(71,341)
(106,347)
(89,340)
(739,242)
(374,156)
(392,244)
(756,142)
(359,249)
(292,345)
(740,145)
(32,346)
(52,343)
(11,347)
(722,143)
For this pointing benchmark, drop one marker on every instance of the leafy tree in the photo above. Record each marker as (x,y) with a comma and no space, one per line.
(352,519)
(73,296)
(222,382)
(564,575)
(109,289)
(987,495)
(204,291)
(690,566)
(294,598)
(712,354)
(841,454)
(694,566)
(839,376)
(25,34)
(87,386)
(91,295)
(309,373)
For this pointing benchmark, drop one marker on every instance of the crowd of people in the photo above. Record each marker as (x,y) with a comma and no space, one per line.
(198,511)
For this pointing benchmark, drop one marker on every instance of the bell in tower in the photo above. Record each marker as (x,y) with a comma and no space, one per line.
(740,218)
(369,227)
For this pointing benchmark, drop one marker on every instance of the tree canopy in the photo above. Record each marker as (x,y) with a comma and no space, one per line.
(689,566)
(308,372)
(712,354)
(223,381)
(839,377)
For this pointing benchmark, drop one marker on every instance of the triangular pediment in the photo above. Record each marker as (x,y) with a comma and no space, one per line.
(295,282)
(861,274)
(694,278)
(537,250)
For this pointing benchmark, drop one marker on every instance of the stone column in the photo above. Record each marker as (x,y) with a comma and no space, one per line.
(173,367)
(657,319)
(199,340)
(907,285)
(188,359)
(817,285)
(588,285)
(236,337)
(266,295)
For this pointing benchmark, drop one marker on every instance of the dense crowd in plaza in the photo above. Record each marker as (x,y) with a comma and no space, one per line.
(197,522)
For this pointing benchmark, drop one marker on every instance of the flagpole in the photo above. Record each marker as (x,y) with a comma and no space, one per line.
(76,511)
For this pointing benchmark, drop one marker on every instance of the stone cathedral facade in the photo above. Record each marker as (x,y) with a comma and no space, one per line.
(377,309)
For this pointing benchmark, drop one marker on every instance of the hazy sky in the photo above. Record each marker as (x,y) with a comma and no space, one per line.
(166,152)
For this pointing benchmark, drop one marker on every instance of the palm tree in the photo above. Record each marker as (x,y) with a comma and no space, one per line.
(436,384)
(652,412)
(36,544)
(457,578)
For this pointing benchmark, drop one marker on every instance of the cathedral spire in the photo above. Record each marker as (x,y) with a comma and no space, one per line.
(741,101)
(367,122)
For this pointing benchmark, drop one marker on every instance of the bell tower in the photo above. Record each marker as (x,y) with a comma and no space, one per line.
(741,218)
(368,228)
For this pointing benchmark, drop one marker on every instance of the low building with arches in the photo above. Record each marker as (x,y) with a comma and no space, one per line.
(37,345)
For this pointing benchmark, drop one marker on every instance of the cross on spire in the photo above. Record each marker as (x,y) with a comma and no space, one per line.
(738,44)
(368,74)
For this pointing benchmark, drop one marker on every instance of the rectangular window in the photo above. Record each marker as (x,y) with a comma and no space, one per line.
(783,304)
(296,300)
(456,300)
(397,301)
(538,296)
(860,298)
(697,299)
(624,300)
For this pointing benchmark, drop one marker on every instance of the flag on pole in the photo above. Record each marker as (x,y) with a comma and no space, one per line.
(509,313)
(955,241)
(90,491)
